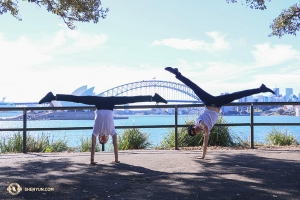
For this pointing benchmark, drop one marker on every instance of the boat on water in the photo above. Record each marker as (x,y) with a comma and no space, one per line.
(8,113)
(59,115)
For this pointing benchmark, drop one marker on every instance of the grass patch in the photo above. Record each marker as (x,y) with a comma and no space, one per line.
(41,143)
(133,139)
(86,145)
(281,138)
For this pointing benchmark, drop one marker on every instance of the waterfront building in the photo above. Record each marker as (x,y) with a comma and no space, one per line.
(170,110)
(288,92)
(226,109)
(266,99)
(276,90)
(260,98)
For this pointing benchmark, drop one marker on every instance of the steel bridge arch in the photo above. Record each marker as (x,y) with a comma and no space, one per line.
(116,91)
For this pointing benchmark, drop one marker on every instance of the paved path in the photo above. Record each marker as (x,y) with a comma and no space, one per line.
(154,174)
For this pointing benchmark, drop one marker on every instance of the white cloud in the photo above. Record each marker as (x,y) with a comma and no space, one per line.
(20,54)
(25,63)
(219,43)
(70,41)
(196,45)
(26,52)
(266,55)
(182,44)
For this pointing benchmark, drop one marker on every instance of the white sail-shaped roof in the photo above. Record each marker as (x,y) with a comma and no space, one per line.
(88,92)
(80,90)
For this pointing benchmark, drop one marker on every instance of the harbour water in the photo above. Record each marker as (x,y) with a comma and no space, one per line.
(156,135)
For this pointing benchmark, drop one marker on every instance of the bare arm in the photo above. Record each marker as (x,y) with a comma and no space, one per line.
(206,138)
(115,143)
(93,149)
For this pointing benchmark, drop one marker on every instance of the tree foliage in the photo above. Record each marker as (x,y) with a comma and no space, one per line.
(69,10)
(288,21)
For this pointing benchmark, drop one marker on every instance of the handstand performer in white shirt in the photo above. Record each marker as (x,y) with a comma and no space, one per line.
(207,119)
(104,122)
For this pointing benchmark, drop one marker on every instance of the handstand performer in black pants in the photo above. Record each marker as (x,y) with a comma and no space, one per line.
(207,119)
(104,122)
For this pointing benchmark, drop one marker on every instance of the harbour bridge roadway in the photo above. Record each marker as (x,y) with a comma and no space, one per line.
(171,91)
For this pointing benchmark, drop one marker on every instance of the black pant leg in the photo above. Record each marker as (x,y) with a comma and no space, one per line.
(207,98)
(228,98)
(89,100)
(103,102)
(130,99)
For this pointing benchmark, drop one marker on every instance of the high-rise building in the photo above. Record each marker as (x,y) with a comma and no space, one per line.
(276,90)
(288,92)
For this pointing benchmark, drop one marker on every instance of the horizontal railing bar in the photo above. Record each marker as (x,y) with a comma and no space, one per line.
(147,106)
(11,129)
(276,124)
(149,126)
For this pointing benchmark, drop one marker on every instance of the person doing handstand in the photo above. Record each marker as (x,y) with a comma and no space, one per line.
(208,118)
(104,122)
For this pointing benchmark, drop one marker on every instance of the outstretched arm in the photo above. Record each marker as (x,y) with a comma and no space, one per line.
(206,138)
(93,150)
(115,143)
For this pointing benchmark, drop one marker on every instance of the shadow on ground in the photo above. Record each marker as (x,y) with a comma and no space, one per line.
(239,176)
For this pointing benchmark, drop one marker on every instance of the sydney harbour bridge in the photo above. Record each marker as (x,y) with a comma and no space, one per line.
(171,91)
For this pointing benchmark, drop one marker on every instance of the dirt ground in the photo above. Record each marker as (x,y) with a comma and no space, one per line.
(261,173)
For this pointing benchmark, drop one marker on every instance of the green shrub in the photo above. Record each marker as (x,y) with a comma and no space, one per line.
(184,139)
(133,139)
(37,144)
(40,143)
(59,145)
(12,144)
(219,136)
(86,145)
(280,137)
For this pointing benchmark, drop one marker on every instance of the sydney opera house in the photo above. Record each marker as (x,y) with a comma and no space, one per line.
(71,114)
(81,91)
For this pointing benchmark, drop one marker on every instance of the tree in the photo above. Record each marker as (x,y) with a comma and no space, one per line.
(288,21)
(69,10)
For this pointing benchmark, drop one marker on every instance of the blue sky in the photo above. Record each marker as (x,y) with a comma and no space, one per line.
(222,47)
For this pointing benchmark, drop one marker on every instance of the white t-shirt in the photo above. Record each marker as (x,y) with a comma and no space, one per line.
(209,118)
(104,123)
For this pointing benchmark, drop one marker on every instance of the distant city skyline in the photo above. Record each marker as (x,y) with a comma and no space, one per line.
(262,97)
(288,96)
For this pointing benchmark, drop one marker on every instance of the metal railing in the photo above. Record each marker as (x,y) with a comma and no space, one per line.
(251,124)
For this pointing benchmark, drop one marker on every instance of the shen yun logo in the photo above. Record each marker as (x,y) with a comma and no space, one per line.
(14,188)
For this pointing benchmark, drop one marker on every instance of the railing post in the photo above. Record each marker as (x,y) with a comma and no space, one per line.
(176,123)
(251,126)
(24,130)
